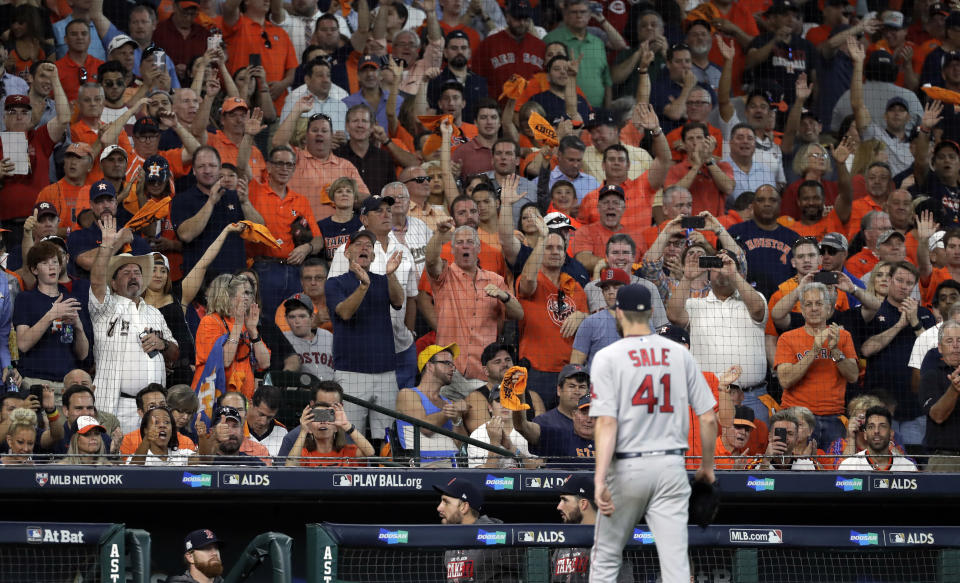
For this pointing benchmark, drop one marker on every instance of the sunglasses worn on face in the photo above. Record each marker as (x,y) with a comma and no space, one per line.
(418,179)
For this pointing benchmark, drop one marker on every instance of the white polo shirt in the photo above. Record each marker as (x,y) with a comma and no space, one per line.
(416,238)
(722,334)
(122,365)
(860,463)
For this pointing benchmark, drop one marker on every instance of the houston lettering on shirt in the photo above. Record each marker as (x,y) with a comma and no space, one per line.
(765,243)
(821,353)
(459,568)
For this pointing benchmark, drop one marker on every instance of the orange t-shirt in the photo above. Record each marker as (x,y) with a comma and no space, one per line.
(132,441)
(638,214)
(543,315)
(861,263)
(228,152)
(677,135)
(828,224)
(706,195)
(594,237)
(694,441)
(246,37)
(68,199)
(278,214)
(742,16)
(928,289)
(240,372)
(822,388)
(316,459)
(858,210)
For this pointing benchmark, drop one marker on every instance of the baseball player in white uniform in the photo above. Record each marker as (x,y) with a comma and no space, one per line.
(642,386)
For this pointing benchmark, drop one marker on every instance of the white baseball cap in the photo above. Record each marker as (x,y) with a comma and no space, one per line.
(936,240)
(120,40)
(86,423)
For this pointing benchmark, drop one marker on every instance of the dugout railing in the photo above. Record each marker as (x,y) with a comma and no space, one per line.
(345,553)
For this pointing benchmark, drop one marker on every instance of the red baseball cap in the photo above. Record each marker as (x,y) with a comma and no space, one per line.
(16,101)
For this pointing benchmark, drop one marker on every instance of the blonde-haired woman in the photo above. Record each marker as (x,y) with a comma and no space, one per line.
(86,445)
(233,316)
(21,437)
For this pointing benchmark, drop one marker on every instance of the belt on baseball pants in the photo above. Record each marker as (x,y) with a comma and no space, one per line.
(623,455)
(126,396)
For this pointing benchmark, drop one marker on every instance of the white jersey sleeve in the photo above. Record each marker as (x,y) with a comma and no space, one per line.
(647,383)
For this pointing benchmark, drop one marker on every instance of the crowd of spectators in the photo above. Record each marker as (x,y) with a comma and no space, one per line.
(404,200)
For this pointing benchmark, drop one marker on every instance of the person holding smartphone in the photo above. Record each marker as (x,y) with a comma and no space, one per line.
(324,429)
(783,439)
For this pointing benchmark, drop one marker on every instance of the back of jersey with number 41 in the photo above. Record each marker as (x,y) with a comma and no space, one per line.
(647,383)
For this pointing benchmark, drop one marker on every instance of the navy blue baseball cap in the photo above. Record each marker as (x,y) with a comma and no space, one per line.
(584,401)
(634,298)
(372,203)
(102,188)
(578,485)
(156,168)
(571,370)
(675,333)
(461,489)
(199,539)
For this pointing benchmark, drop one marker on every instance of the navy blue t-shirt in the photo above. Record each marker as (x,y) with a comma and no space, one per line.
(336,234)
(888,369)
(51,357)
(768,254)
(556,108)
(232,256)
(949,198)
(559,440)
(364,343)
(81,241)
